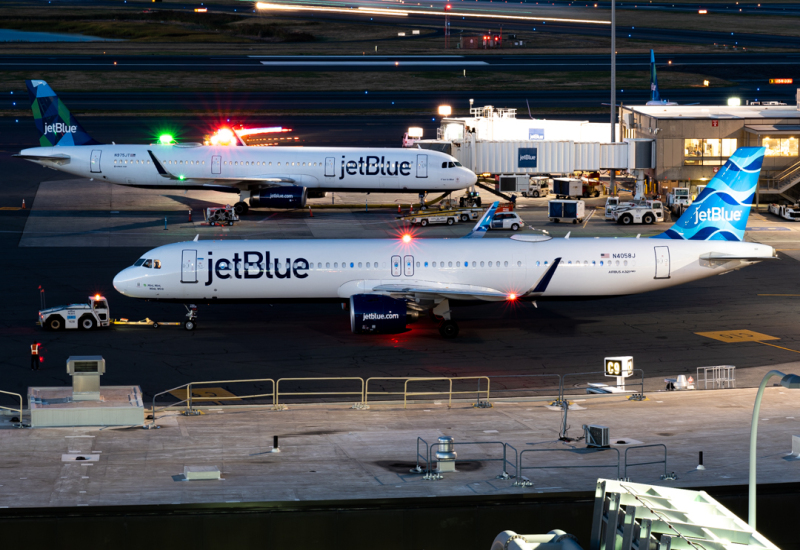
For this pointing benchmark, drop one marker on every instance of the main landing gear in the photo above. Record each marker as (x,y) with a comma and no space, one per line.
(422,201)
(448,328)
(241,208)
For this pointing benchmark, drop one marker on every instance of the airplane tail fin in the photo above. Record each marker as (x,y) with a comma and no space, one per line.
(482,226)
(654,95)
(53,120)
(720,212)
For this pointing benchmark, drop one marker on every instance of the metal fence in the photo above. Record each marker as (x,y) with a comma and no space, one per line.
(17,410)
(478,392)
(522,482)
(720,376)
(430,474)
(626,464)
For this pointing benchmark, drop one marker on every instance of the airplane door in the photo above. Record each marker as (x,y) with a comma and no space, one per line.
(396,269)
(330,167)
(422,166)
(189,266)
(216,164)
(662,262)
(408,263)
(94,164)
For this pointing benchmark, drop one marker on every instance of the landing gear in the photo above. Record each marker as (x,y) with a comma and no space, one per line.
(241,208)
(448,329)
(191,317)
(422,201)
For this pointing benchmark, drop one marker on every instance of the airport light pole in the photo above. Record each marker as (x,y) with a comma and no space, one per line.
(612,182)
(790,381)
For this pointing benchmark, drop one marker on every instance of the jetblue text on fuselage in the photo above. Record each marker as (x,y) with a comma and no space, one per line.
(716,214)
(60,128)
(254,265)
(373,166)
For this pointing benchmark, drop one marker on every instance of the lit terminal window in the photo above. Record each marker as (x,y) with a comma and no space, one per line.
(708,152)
(781,147)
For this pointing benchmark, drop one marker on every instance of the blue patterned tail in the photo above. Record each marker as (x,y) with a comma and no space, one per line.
(654,95)
(720,212)
(53,120)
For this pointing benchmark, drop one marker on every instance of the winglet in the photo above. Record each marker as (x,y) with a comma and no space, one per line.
(196,238)
(482,226)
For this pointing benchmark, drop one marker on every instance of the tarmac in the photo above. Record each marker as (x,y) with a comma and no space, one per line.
(333,452)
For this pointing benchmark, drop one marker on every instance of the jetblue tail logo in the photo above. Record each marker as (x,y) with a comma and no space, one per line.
(654,95)
(53,120)
(721,210)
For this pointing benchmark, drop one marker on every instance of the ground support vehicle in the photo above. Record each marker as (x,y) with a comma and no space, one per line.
(538,186)
(84,316)
(471,199)
(678,199)
(507,220)
(189,324)
(221,215)
(565,188)
(566,210)
(611,204)
(426,219)
(523,184)
(648,213)
(786,211)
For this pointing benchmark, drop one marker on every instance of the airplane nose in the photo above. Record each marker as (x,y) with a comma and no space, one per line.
(122,281)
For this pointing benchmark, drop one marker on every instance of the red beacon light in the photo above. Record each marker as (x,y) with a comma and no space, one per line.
(96,296)
(406,238)
(512,297)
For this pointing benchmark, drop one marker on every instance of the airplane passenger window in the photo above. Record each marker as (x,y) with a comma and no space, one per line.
(426,264)
(148,263)
(359,264)
(449,264)
(506,264)
(481,264)
(474,264)
(434,264)
(458,264)
(625,262)
(585,262)
(601,262)
(594,263)
(327,264)
(270,163)
(519,264)
(537,264)
(157,264)
(497,264)
(335,264)
(139,262)
(545,263)
(617,263)
(569,263)
(279,164)
(417,264)
(351,265)
(490,264)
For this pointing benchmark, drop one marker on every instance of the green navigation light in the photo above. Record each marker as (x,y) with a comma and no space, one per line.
(165,139)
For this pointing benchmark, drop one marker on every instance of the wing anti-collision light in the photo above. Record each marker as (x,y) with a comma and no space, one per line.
(512,297)
(406,238)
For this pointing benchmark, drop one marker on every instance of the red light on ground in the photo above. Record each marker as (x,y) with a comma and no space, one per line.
(406,238)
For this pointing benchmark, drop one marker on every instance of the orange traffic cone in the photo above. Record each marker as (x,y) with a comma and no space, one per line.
(310,213)
(190,215)
(398,209)
(23,204)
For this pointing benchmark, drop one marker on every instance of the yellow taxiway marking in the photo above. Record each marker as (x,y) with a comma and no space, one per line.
(205,394)
(10,208)
(731,336)
(779,294)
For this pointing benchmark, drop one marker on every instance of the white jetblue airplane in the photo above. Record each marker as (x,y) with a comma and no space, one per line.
(270,177)
(390,282)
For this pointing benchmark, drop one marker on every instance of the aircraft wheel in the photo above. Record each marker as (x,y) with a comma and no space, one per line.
(189,325)
(55,322)
(241,208)
(87,322)
(448,329)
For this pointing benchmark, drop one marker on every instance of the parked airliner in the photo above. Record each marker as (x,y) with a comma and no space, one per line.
(391,282)
(271,177)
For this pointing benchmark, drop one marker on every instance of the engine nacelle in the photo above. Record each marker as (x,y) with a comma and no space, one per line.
(316,194)
(279,197)
(375,314)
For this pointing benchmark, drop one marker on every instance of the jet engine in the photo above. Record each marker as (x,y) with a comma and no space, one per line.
(279,197)
(374,314)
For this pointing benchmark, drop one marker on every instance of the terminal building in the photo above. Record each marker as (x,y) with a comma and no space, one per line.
(673,145)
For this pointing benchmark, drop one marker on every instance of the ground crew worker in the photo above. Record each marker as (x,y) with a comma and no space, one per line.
(35,355)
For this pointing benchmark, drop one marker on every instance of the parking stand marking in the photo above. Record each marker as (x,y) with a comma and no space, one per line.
(732,336)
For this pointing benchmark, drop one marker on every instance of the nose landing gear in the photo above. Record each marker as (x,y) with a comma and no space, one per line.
(191,317)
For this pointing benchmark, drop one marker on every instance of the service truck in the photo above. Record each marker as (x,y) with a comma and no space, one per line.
(565,188)
(429,218)
(566,210)
(678,199)
(786,211)
(527,186)
(647,212)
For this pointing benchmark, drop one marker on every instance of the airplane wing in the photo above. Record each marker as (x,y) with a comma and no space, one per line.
(450,291)
(274,179)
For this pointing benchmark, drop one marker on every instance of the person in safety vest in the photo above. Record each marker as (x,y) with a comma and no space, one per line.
(35,347)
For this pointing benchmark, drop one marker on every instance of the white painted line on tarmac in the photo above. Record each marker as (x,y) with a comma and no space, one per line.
(372,63)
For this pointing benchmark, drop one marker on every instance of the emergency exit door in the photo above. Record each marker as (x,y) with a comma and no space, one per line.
(216,164)
(397,269)
(422,166)
(189,266)
(408,266)
(662,262)
(94,164)
(330,167)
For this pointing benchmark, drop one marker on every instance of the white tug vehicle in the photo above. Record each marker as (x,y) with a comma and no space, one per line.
(647,212)
(786,211)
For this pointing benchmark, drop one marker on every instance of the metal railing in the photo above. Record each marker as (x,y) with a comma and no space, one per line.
(719,377)
(786,178)
(191,399)
(277,391)
(518,391)
(664,462)
(635,396)
(406,379)
(527,483)
(18,411)
(426,457)
(431,475)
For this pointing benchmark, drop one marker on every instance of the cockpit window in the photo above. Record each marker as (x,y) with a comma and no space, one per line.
(157,264)
(444,165)
(148,263)
(139,262)
(458,163)
(451,164)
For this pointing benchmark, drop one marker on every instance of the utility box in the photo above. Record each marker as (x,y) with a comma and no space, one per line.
(596,436)
(86,403)
(566,210)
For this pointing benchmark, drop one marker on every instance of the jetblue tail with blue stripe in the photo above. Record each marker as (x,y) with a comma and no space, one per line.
(720,212)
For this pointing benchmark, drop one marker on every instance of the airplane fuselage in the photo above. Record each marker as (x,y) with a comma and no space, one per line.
(215,167)
(256,270)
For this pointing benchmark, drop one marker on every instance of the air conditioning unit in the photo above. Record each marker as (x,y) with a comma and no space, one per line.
(596,436)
